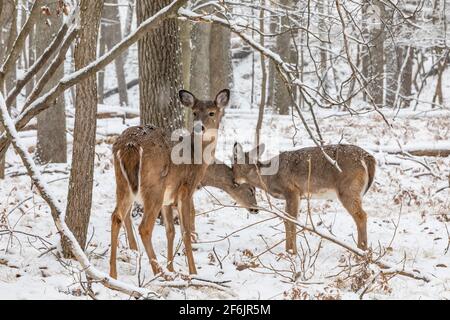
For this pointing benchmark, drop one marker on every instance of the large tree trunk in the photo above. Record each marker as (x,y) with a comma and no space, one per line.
(185,38)
(51,124)
(82,173)
(159,72)
(200,83)
(282,99)
(373,58)
(111,34)
(8,33)
(220,65)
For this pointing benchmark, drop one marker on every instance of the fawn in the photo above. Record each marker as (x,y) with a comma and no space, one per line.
(217,175)
(145,172)
(306,173)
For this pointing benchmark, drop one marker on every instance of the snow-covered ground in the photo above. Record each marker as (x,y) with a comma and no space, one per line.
(408,219)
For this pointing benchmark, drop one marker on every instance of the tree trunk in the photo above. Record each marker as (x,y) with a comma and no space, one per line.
(200,83)
(373,60)
(82,173)
(393,62)
(7,31)
(51,124)
(159,72)
(282,97)
(323,69)
(12,36)
(406,52)
(185,37)
(112,33)
(220,65)
(272,70)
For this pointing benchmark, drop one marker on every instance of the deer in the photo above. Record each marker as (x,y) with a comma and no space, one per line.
(307,173)
(217,175)
(146,173)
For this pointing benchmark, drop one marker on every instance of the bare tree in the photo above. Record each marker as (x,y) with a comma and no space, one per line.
(373,58)
(51,124)
(200,82)
(159,72)
(221,67)
(79,200)
(111,34)
(282,97)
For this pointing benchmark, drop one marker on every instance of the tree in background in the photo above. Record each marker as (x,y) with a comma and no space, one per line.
(111,34)
(159,69)
(282,99)
(51,124)
(79,201)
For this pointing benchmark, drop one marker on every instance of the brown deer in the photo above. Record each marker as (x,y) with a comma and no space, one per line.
(145,172)
(306,173)
(217,175)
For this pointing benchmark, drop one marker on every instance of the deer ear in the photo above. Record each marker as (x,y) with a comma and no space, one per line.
(222,98)
(256,153)
(238,151)
(260,149)
(187,99)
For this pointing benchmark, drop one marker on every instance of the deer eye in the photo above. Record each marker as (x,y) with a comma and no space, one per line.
(195,114)
(212,114)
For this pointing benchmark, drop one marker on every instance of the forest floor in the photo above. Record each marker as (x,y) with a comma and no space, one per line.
(408,221)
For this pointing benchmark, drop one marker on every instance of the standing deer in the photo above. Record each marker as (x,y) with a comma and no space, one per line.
(217,175)
(145,173)
(306,173)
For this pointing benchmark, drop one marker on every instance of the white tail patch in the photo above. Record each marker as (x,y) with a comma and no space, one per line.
(138,196)
(366,178)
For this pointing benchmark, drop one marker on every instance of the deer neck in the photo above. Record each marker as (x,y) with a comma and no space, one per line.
(259,180)
(218,175)
(206,152)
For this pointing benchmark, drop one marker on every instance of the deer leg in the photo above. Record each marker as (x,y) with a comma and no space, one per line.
(291,234)
(353,204)
(167,214)
(184,209)
(130,234)
(123,206)
(152,206)
(194,235)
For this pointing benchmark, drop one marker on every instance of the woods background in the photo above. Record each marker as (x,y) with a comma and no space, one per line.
(74,74)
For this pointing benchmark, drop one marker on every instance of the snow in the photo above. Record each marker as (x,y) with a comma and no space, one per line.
(403,193)
(408,218)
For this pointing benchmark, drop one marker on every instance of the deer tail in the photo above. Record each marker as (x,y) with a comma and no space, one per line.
(371,164)
(129,158)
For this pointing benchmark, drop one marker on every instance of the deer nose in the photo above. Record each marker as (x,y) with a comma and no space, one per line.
(199,127)
(253,211)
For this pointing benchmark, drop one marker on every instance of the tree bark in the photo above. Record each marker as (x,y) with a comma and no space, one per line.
(51,124)
(111,35)
(282,98)
(185,37)
(200,83)
(82,173)
(159,72)
(220,65)
(373,58)
(6,17)
(272,70)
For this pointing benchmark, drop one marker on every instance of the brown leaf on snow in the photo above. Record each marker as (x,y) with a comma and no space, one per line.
(441,265)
